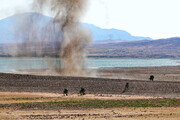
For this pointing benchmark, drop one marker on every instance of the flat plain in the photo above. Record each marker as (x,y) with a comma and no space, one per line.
(40,97)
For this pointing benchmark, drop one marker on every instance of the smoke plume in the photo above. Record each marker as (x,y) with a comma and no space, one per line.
(67,14)
(66,36)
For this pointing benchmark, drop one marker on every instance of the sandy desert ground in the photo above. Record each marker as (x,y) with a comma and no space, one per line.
(95,114)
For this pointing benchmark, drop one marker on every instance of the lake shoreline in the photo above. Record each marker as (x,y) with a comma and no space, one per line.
(14,64)
(164,73)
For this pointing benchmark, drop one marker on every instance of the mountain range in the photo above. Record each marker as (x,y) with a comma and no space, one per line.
(108,42)
(10,25)
(161,48)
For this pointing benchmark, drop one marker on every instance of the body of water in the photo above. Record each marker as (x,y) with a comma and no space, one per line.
(13,64)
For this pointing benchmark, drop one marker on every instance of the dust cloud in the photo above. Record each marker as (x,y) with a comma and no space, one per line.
(64,37)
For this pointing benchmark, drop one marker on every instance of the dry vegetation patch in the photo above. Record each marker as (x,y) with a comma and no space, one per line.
(35,106)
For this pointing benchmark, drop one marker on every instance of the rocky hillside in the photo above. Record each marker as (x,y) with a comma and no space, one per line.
(162,48)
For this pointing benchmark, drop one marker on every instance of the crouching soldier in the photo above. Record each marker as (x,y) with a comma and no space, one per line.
(82,91)
(151,78)
(65,92)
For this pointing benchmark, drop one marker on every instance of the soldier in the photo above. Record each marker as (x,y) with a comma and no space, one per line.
(151,78)
(126,87)
(82,91)
(65,92)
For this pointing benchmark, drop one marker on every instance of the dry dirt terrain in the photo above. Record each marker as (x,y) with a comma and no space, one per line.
(92,85)
(95,114)
(142,73)
(37,96)
(168,73)
(15,106)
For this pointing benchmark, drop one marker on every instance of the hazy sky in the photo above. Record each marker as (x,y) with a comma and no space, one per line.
(151,18)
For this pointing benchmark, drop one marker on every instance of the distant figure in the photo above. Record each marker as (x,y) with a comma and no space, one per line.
(82,91)
(65,92)
(151,78)
(126,88)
